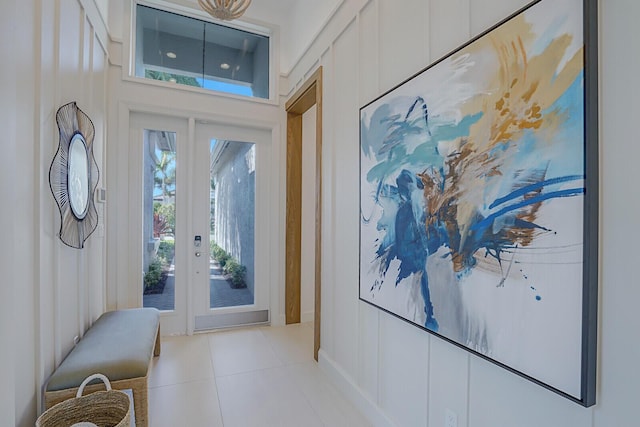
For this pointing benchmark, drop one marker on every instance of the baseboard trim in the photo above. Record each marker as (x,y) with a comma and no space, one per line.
(307,316)
(279,320)
(227,320)
(351,390)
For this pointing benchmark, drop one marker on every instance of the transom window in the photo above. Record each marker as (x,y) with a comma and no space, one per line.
(193,52)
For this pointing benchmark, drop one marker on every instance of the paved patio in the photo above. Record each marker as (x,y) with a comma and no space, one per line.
(220,291)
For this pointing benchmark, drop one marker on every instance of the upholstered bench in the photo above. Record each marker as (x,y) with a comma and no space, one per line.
(120,345)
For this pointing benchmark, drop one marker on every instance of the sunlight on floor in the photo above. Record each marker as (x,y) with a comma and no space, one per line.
(260,376)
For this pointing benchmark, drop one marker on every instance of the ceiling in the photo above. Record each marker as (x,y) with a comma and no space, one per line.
(278,12)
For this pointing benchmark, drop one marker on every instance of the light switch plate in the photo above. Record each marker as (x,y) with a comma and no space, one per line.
(450,418)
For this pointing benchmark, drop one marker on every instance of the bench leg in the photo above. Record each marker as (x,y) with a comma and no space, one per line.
(156,349)
(141,404)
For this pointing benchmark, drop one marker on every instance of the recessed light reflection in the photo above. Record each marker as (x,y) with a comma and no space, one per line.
(172,55)
(224,66)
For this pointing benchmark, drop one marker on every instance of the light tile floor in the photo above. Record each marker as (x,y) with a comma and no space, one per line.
(261,376)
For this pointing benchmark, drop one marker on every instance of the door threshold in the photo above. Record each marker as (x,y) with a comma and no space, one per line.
(230,320)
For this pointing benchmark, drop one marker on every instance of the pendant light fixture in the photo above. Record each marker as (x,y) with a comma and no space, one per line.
(226,10)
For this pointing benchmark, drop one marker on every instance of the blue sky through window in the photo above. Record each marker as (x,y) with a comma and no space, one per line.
(225,87)
(168,176)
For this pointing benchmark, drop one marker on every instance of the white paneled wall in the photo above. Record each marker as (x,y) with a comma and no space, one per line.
(328,204)
(448,365)
(304,28)
(345,253)
(368,53)
(401,375)
(485,13)
(8,170)
(499,398)
(619,352)
(452,27)
(403,40)
(369,317)
(54,291)
(24,263)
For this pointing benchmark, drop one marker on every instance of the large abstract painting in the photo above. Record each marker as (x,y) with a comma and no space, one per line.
(478,197)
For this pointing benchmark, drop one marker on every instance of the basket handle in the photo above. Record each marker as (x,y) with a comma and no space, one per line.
(90,378)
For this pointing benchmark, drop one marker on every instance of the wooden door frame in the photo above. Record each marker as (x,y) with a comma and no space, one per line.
(309,94)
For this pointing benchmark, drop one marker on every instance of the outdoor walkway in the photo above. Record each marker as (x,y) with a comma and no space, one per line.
(220,291)
(165,300)
(222,294)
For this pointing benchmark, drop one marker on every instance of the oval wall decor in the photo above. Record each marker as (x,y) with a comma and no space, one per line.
(73,176)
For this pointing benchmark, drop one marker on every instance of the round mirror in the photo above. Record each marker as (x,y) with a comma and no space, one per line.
(78,176)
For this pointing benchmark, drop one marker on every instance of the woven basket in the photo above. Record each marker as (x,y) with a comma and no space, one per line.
(109,408)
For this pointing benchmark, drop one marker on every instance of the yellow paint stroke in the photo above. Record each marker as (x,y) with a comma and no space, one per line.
(512,101)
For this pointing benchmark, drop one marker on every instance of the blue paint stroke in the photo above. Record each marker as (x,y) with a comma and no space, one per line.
(533,200)
(408,177)
(538,297)
(425,112)
(538,185)
(407,240)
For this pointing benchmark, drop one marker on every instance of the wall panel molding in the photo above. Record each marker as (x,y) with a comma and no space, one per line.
(344,13)
(343,382)
(97,20)
(62,307)
(8,170)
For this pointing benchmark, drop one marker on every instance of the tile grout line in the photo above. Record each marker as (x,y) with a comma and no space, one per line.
(215,381)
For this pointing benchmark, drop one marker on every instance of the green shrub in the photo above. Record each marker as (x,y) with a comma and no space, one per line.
(219,254)
(236,273)
(153,274)
(232,268)
(166,250)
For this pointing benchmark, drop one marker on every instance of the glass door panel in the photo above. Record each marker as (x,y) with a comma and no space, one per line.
(235,290)
(159,219)
(159,183)
(232,223)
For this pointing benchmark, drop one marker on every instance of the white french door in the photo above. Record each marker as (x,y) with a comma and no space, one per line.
(200,205)
(231,221)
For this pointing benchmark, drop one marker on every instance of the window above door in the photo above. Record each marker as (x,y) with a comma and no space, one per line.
(187,50)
